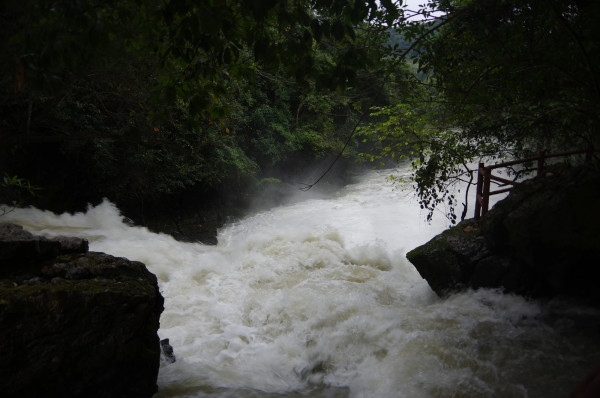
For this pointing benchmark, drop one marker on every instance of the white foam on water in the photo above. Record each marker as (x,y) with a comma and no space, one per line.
(317,298)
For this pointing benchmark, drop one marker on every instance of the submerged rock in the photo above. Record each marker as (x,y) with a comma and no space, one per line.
(75,323)
(542,240)
(167,352)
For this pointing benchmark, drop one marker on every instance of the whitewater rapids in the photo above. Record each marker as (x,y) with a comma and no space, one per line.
(317,299)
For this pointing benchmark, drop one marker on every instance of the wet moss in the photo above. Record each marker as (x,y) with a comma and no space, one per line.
(79,324)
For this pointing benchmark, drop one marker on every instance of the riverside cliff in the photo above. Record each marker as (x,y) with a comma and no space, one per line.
(543,240)
(75,323)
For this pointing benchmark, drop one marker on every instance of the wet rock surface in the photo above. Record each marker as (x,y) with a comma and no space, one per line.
(543,240)
(75,323)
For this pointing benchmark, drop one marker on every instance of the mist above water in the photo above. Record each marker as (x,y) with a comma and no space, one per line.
(316,298)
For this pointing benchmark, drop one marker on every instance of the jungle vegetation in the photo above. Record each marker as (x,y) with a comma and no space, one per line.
(143,100)
(501,79)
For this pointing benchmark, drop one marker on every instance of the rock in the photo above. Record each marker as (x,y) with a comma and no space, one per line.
(80,324)
(459,258)
(72,245)
(541,241)
(13,232)
(168,355)
(19,248)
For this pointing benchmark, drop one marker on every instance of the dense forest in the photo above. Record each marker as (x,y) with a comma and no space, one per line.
(148,102)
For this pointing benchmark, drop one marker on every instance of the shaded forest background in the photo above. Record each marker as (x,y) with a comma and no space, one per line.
(150,106)
(165,106)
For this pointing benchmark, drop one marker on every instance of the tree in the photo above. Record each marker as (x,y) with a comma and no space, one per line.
(141,99)
(502,78)
(521,71)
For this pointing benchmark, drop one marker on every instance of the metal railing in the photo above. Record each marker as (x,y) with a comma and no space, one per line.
(485,177)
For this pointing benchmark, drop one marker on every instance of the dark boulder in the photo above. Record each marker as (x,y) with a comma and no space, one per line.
(167,352)
(75,323)
(543,240)
(447,261)
(19,249)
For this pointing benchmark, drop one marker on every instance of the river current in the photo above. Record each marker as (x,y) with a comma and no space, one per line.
(317,299)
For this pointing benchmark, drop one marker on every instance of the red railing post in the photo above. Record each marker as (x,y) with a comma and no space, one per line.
(540,166)
(485,202)
(588,154)
(484,176)
(479,193)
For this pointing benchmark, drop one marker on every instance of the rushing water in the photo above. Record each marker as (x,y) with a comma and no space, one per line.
(317,299)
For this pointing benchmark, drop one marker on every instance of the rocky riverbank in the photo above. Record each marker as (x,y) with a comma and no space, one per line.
(75,323)
(543,240)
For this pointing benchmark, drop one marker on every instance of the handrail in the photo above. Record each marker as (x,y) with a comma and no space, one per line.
(484,176)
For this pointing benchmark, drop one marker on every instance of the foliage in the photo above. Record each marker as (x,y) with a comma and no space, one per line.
(207,42)
(524,71)
(149,99)
(14,190)
(139,100)
(438,156)
(500,78)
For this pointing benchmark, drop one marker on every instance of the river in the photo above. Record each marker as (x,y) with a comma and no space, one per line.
(316,298)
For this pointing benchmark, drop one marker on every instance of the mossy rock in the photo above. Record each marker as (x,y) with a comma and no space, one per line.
(447,261)
(78,325)
(543,240)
